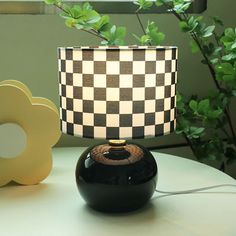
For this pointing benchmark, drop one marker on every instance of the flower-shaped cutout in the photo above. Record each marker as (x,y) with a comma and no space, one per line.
(39,118)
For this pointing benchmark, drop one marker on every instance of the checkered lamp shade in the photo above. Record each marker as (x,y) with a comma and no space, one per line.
(117,92)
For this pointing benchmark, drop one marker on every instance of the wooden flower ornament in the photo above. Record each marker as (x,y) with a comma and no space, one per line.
(39,118)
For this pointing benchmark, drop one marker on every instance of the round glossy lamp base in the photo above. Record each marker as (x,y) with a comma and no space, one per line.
(114,178)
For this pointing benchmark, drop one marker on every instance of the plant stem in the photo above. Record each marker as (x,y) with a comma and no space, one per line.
(189,143)
(212,71)
(140,22)
(225,132)
(94,33)
(222,167)
(230,124)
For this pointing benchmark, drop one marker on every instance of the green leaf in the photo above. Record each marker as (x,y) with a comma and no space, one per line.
(70,22)
(143,4)
(51,2)
(120,32)
(182,6)
(193,105)
(147,5)
(226,68)
(113,29)
(103,24)
(80,17)
(153,35)
(217,20)
(115,35)
(231,155)
(228,78)
(214,60)
(209,49)
(78,26)
(195,132)
(159,3)
(234,93)
(226,72)
(229,57)
(157,37)
(194,47)
(75,12)
(145,40)
(180,103)
(226,40)
(104,42)
(203,106)
(212,157)
(199,18)
(214,114)
(190,24)
(229,40)
(151,27)
(87,6)
(230,33)
(184,26)
(208,31)
(233,45)
(92,17)
(213,149)
(217,50)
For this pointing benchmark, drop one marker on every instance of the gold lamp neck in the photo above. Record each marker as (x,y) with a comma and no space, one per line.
(117,143)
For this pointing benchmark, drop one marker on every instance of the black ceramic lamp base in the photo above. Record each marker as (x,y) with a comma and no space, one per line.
(116,177)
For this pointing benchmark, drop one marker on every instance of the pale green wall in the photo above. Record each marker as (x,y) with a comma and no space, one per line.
(28,53)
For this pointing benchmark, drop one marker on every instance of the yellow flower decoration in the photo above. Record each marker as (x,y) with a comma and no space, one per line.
(39,118)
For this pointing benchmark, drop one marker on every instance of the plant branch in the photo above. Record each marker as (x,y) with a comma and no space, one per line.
(225,132)
(60,7)
(169,8)
(230,124)
(222,167)
(199,43)
(212,71)
(196,39)
(140,22)
(189,143)
(226,111)
(211,68)
(215,81)
(92,31)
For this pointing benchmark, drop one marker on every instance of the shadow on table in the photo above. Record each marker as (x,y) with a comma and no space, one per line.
(148,213)
(16,191)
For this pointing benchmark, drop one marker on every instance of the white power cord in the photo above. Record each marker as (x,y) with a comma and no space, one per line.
(196,189)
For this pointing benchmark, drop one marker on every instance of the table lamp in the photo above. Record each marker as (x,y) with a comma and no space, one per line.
(117,93)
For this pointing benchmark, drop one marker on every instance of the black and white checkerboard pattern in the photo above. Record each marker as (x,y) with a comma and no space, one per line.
(117,92)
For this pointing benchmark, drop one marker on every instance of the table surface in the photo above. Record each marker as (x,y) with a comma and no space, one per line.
(55,207)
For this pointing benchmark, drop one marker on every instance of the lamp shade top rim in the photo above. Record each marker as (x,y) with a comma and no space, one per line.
(129,47)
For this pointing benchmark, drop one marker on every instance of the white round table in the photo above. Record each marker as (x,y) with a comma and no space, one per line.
(55,207)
